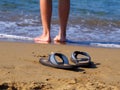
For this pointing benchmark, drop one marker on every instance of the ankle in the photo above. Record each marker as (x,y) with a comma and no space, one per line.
(62,36)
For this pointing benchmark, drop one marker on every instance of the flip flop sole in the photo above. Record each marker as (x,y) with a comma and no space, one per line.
(84,64)
(59,66)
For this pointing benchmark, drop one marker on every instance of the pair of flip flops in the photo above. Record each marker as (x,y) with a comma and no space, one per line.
(63,63)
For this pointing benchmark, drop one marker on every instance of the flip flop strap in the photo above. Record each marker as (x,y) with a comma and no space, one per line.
(53,60)
(80,60)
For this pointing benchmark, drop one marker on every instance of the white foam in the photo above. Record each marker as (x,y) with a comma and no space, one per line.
(15,37)
(106,45)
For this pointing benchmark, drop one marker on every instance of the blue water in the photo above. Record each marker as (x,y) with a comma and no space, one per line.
(91,22)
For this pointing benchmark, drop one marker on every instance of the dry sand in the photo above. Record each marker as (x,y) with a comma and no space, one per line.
(20,68)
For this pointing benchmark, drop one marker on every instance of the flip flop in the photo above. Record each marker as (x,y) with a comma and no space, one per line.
(81,62)
(53,62)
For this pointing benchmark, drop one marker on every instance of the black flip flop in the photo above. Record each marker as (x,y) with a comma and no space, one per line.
(53,62)
(81,62)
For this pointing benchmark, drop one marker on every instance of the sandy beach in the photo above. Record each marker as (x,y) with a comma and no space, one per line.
(20,68)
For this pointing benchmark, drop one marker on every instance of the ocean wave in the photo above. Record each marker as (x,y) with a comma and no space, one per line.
(6,36)
(26,29)
(105,45)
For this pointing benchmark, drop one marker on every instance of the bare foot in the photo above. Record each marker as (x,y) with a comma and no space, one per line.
(59,39)
(42,42)
(58,42)
(42,38)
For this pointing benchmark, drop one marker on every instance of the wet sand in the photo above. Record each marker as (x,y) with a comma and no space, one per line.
(20,68)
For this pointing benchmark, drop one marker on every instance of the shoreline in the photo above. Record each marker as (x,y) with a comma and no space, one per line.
(22,39)
(20,68)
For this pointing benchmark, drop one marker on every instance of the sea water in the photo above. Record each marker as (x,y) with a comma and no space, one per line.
(91,22)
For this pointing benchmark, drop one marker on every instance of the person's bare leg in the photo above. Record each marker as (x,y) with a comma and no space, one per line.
(64,8)
(46,12)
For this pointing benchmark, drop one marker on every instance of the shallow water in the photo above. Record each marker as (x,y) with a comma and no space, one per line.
(91,22)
